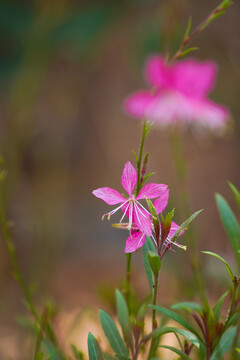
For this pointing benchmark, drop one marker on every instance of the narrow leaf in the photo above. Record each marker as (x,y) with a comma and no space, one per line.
(188,306)
(236,193)
(112,334)
(185,225)
(136,157)
(94,351)
(148,176)
(221,259)
(154,261)
(123,318)
(148,245)
(174,316)
(155,218)
(218,307)
(166,225)
(187,334)
(230,224)
(177,351)
(187,31)
(185,52)
(224,344)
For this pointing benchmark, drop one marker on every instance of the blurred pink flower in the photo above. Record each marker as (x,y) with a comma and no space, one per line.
(137,239)
(178,93)
(131,207)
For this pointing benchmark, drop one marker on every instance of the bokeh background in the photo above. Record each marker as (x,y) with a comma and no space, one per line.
(65,68)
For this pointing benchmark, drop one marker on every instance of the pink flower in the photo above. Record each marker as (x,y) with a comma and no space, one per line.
(179,93)
(131,206)
(137,239)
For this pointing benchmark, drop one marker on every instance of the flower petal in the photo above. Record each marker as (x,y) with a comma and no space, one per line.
(136,104)
(142,220)
(110,196)
(170,107)
(157,72)
(194,78)
(152,191)
(135,241)
(161,202)
(129,178)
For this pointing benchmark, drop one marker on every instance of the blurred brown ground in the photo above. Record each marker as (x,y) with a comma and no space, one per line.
(63,133)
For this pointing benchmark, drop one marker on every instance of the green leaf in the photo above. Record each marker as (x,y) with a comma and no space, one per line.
(225,4)
(112,334)
(185,52)
(218,307)
(187,31)
(187,305)
(185,225)
(154,261)
(177,351)
(221,259)
(236,193)
(94,351)
(166,225)
(174,316)
(224,344)
(237,350)
(155,218)
(147,128)
(148,245)
(136,157)
(230,224)
(123,318)
(148,176)
(187,334)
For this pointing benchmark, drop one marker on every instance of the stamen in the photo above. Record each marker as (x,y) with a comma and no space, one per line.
(142,207)
(114,210)
(124,213)
(168,240)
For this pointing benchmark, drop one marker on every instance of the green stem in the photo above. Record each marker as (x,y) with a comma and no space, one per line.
(138,188)
(154,341)
(140,154)
(180,168)
(128,280)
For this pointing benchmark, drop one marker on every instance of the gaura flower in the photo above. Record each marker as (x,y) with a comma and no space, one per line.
(130,205)
(178,93)
(137,239)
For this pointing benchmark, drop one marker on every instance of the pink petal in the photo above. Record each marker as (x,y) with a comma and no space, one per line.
(152,191)
(142,220)
(129,178)
(110,196)
(157,72)
(193,78)
(161,202)
(135,241)
(170,107)
(136,104)
(209,114)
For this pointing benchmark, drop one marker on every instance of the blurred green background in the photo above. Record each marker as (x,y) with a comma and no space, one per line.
(65,68)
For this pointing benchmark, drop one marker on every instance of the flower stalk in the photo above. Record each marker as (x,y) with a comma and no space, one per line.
(180,168)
